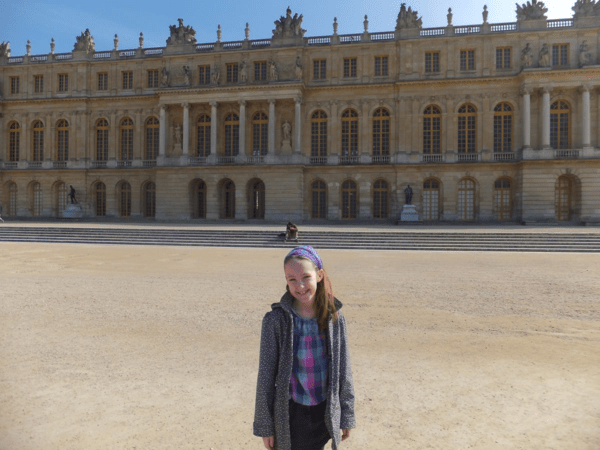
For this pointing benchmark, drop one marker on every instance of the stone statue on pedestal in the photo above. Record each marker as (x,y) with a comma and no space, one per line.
(533,10)
(164,79)
(273,75)
(243,72)
(85,42)
(408,193)
(526,56)
(181,34)
(71,195)
(544,56)
(289,26)
(407,18)
(214,75)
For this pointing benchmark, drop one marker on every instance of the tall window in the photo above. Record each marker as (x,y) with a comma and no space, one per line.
(503,199)
(152,137)
(381,132)
(63,82)
(126,153)
(102,140)
(467,116)
(200,197)
(260,71)
(349,133)
(204,74)
(467,60)
(349,200)
(560,54)
(381,66)
(503,57)
(560,130)
(149,199)
(14,141)
(124,199)
(36,207)
(503,121)
(14,85)
(232,135)
(381,199)
(431,200)
(153,78)
(319,199)
(228,204)
(318,134)
(127,79)
(563,199)
(38,141)
(100,197)
(12,200)
(260,128)
(232,72)
(466,200)
(257,203)
(62,198)
(319,69)
(62,140)
(349,67)
(203,126)
(432,129)
(103,81)
(38,84)
(432,62)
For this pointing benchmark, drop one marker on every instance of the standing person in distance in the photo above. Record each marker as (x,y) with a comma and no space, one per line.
(305,391)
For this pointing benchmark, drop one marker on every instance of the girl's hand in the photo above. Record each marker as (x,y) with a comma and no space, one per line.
(345,434)
(269,442)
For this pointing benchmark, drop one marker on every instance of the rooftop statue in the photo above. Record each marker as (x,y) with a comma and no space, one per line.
(181,34)
(85,42)
(533,10)
(585,8)
(289,26)
(4,49)
(407,18)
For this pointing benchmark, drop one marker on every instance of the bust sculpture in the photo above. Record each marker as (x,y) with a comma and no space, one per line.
(544,56)
(408,192)
(526,56)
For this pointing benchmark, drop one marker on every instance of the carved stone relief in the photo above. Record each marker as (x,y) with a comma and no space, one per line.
(532,10)
(85,42)
(289,26)
(407,18)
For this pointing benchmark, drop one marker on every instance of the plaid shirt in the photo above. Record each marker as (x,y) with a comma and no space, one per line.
(308,382)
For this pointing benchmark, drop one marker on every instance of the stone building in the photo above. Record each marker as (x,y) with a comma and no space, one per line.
(486,122)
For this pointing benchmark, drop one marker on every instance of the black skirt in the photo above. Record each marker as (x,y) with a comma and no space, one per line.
(307,426)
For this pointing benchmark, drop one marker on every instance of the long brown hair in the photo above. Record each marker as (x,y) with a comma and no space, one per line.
(323,304)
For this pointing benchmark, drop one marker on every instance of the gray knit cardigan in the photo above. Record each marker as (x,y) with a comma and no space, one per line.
(271,413)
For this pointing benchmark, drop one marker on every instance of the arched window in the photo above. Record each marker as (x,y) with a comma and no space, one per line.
(200,200)
(319,199)
(564,192)
(381,199)
(350,133)
(257,200)
(100,197)
(62,198)
(14,141)
(36,207)
(152,138)
(38,141)
(503,123)
(149,196)
(467,128)
(432,129)
(349,200)
(12,200)
(431,200)
(318,134)
(503,199)
(381,132)
(126,153)
(102,140)
(203,126)
(560,128)
(62,140)
(124,199)
(466,200)
(232,135)
(260,128)
(228,200)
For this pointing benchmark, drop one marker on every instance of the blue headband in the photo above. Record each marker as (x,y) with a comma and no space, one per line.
(307,251)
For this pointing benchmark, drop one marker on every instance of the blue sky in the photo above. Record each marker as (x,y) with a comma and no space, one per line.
(63,20)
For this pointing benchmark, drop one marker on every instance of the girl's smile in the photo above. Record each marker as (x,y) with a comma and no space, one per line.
(302,278)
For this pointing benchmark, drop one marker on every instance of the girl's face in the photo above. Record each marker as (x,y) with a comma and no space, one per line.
(302,277)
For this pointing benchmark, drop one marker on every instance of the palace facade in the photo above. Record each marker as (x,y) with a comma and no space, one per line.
(486,122)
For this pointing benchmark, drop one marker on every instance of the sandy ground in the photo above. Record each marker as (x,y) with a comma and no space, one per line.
(131,347)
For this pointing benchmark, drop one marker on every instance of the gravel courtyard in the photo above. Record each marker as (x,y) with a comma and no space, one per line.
(133,347)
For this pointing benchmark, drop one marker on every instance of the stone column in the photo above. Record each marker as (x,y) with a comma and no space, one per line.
(298,127)
(271,127)
(526,118)
(162,138)
(585,138)
(242,133)
(113,137)
(138,135)
(546,118)
(213,128)
(186,129)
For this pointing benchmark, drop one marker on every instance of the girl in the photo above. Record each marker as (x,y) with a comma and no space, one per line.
(305,392)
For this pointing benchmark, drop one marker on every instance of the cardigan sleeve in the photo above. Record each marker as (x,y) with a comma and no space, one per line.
(347,419)
(264,425)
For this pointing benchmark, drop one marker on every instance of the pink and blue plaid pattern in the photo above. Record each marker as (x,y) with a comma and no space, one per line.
(308,383)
